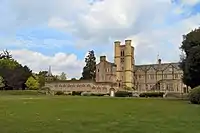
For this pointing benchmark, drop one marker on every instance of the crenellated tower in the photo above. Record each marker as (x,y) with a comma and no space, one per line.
(124,59)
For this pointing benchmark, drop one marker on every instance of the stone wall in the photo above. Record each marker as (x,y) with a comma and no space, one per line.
(80,85)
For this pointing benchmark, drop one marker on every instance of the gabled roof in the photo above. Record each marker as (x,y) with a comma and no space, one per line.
(113,64)
(157,67)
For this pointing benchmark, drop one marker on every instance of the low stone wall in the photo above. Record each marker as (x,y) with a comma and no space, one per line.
(79,85)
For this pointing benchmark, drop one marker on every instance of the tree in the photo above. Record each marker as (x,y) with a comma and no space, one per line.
(41,78)
(190,60)
(5,55)
(89,70)
(32,83)
(1,82)
(14,74)
(63,76)
(73,79)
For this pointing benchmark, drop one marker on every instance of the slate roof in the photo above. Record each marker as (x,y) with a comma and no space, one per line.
(157,67)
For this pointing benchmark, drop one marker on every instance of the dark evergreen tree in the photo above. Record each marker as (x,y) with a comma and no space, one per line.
(89,71)
(190,61)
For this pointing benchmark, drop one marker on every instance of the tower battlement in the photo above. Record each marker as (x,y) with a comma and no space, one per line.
(124,59)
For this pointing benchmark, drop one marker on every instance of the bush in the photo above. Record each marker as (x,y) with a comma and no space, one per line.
(152,94)
(92,94)
(123,94)
(97,94)
(76,93)
(67,93)
(86,94)
(194,95)
(59,93)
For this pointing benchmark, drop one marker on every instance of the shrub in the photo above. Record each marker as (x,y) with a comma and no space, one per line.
(92,94)
(45,88)
(76,93)
(123,94)
(97,94)
(86,94)
(67,93)
(194,95)
(59,93)
(152,94)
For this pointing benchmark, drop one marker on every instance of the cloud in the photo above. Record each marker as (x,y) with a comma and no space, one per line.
(60,62)
(154,26)
(190,2)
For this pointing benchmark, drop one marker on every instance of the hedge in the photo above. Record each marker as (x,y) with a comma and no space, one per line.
(93,94)
(76,93)
(194,95)
(123,94)
(152,94)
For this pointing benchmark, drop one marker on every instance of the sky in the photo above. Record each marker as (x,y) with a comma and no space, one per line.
(43,33)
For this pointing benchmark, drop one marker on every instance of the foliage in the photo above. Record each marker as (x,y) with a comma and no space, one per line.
(73,79)
(5,55)
(152,94)
(123,94)
(14,74)
(190,60)
(59,93)
(41,78)
(63,76)
(32,83)
(194,95)
(76,93)
(92,94)
(89,70)
(1,82)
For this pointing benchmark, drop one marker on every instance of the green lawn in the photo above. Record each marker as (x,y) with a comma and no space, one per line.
(59,114)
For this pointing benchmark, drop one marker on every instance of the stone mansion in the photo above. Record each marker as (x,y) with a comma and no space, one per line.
(124,74)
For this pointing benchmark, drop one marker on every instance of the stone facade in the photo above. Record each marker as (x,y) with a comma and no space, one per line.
(105,71)
(81,85)
(159,77)
(124,59)
(124,73)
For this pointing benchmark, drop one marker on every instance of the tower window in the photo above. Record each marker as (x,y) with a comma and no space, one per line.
(122,60)
(122,53)
(176,76)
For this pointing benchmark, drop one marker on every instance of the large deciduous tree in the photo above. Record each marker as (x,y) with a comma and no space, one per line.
(14,74)
(89,71)
(1,83)
(190,61)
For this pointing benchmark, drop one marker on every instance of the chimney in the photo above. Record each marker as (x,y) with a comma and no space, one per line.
(159,61)
(102,58)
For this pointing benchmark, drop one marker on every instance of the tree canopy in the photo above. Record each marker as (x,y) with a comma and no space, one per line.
(89,70)
(32,83)
(190,60)
(14,74)
(63,76)
(1,82)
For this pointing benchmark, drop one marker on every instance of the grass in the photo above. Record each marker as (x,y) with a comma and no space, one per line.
(59,114)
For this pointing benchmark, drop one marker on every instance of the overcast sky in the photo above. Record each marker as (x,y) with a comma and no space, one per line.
(59,33)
